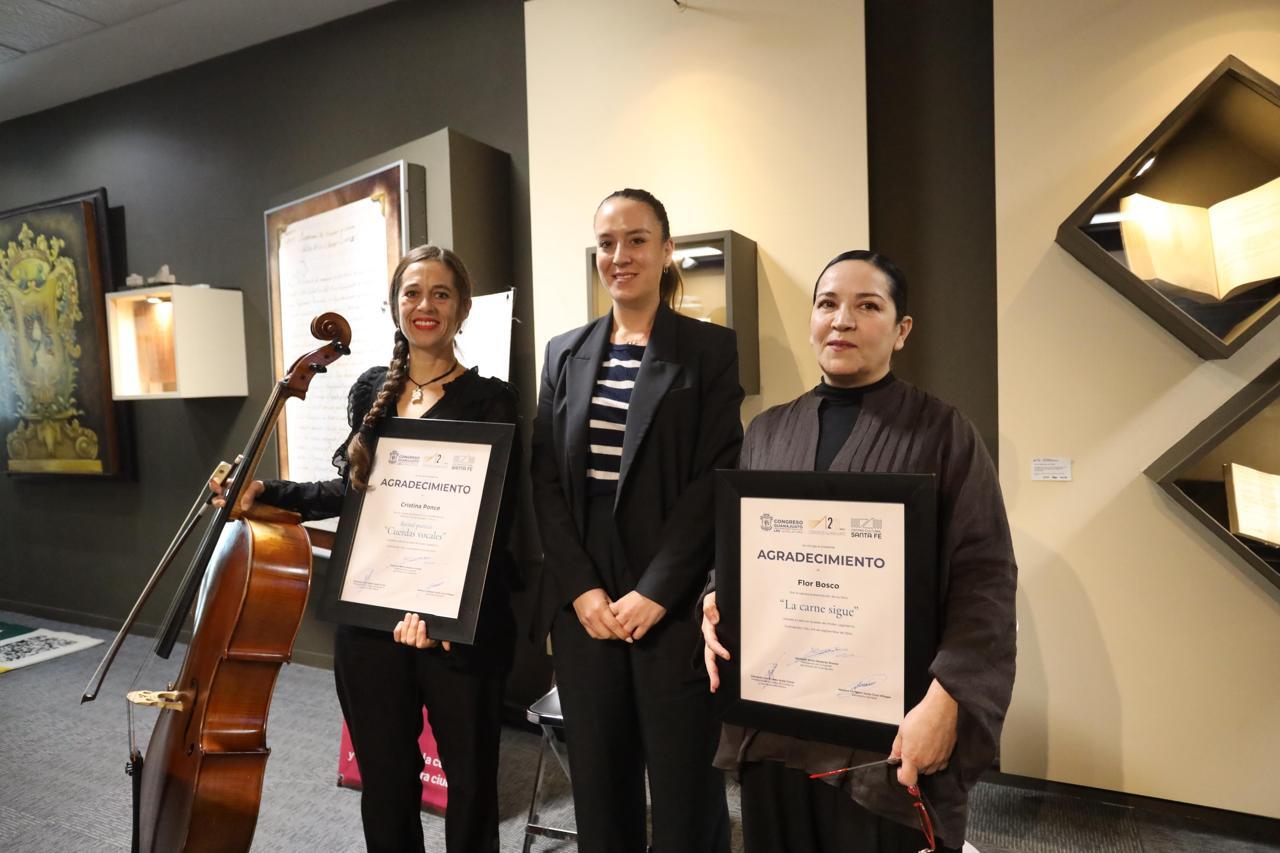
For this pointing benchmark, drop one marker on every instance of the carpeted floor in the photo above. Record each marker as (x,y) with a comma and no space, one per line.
(63,787)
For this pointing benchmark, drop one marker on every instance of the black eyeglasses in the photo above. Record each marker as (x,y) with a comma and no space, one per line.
(922,812)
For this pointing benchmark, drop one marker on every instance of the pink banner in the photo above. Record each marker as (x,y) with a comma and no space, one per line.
(435,790)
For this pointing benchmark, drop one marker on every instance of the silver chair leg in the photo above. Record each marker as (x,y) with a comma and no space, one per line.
(533,804)
(533,826)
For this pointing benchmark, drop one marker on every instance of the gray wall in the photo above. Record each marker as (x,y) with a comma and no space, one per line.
(193,158)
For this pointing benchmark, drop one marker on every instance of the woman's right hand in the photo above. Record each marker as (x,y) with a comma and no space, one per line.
(250,494)
(713,648)
(597,617)
(412,631)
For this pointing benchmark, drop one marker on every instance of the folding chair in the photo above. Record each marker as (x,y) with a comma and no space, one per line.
(546,713)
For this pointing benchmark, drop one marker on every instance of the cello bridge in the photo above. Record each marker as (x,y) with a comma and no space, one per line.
(170,699)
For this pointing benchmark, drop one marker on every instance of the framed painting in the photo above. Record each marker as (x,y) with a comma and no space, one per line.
(56,412)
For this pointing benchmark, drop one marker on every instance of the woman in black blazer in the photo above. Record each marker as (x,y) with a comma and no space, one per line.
(635,411)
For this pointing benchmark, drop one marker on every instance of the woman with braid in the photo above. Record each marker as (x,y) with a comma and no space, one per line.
(385,679)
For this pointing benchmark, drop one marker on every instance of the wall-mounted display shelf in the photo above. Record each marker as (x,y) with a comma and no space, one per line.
(176,340)
(1188,226)
(719,271)
(1197,472)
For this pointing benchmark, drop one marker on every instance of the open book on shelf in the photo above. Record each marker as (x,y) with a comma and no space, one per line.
(1253,503)
(1215,252)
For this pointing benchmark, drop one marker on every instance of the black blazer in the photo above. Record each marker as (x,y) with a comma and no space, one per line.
(683,422)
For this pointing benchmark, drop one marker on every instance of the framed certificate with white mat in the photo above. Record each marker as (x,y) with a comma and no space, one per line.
(419,539)
(828,589)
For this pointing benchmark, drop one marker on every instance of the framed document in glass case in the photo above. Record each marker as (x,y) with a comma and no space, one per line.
(828,594)
(419,539)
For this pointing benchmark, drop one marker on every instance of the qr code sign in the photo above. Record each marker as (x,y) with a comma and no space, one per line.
(21,647)
(40,645)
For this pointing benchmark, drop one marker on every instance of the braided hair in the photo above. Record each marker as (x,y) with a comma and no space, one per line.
(671,286)
(358,453)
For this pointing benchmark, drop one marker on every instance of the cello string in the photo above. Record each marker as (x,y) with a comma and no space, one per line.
(197,511)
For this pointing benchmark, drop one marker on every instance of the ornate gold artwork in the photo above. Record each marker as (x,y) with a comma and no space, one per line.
(55,417)
(39,307)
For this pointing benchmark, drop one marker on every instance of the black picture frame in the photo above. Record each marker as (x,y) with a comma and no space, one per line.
(499,437)
(917,493)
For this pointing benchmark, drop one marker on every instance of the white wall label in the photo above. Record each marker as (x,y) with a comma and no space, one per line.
(1053,468)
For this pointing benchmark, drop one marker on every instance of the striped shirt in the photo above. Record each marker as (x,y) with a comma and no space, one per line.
(607,416)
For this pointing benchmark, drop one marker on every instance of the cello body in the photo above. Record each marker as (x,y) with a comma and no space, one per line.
(202,776)
(200,785)
(201,782)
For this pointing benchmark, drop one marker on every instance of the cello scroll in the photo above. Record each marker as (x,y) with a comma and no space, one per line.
(326,327)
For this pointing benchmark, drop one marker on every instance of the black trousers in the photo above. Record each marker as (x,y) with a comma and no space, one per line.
(382,687)
(784,811)
(628,707)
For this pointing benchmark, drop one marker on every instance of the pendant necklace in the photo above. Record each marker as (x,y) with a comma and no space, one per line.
(416,397)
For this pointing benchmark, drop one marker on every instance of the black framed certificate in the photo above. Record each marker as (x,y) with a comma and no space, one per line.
(418,540)
(827,586)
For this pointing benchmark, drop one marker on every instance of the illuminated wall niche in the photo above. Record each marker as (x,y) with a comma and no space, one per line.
(1188,226)
(1244,431)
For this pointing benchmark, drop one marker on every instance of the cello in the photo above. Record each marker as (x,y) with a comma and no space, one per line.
(199,785)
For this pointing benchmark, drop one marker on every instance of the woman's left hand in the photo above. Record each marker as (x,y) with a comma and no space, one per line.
(412,631)
(927,735)
(637,613)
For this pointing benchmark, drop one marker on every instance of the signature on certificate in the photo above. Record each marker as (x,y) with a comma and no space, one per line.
(867,687)
(769,677)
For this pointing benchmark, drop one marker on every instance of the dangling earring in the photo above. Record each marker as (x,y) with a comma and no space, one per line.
(666,269)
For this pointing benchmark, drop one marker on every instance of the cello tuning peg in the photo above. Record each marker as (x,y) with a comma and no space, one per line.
(316,367)
(342,348)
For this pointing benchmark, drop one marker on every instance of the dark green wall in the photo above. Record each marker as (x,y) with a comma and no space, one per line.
(931,174)
(193,158)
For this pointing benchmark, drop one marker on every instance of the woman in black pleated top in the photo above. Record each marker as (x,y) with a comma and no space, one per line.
(861,417)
